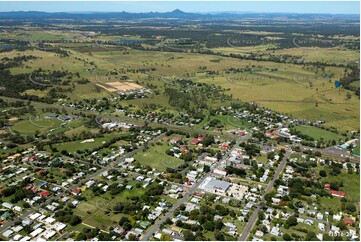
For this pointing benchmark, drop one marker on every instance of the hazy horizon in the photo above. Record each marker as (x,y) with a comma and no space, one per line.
(321,7)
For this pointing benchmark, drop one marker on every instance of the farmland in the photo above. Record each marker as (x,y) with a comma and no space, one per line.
(307,88)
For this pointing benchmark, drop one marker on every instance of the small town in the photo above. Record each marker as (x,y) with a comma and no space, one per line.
(239,183)
(179,121)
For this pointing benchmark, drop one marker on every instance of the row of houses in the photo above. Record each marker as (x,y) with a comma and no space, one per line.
(43,227)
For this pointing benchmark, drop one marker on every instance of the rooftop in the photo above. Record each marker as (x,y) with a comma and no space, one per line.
(211,183)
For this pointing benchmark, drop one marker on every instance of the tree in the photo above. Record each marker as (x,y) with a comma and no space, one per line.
(179,223)
(335,170)
(207,140)
(165,237)
(335,185)
(264,229)
(168,221)
(342,225)
(311,236)
(206,169)
(323,173)
(219,236)
(74,220)
(271,155)
(291,221)
(209,226)
(132,237)
(327,237)
(188,235)
(127,226)
(81,237)
(287,237)
(351,207)
(123,220)
(218,224)
(261,216)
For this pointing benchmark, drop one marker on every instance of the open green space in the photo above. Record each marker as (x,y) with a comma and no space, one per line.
(155,157)
(351,184)
(318,133)
(231,122)
(89,144)
(30,125)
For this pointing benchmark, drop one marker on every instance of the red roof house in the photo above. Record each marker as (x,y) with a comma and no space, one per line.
(184,149)
(337,193)
(242,133)
(28,187)
(268,134)
(44,194)
(76,191)
(349,221)
(327,186)
(196,141)
(225,146)
(33,157)
(175,140)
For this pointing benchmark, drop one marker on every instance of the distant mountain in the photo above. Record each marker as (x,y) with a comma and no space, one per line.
(177,14)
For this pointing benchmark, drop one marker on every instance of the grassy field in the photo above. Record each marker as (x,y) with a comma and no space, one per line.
(335,55)
(73,146)
(30,125)
(285,90)
(94,210)
(231,122)
(318,133)
(79,129)
(242,50)
(351,184)
(155,157)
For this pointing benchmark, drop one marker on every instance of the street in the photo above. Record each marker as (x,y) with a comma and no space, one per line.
(252,220)
(190,191)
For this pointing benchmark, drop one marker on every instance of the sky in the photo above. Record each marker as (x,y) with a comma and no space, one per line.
(332,7)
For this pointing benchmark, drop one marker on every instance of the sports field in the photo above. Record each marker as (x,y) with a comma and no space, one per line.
(318,133)
(155,157)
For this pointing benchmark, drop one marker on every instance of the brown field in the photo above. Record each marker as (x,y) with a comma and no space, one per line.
(119,86)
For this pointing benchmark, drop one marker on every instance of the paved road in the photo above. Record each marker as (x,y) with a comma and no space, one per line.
(111,166)
(30,211)
(60,195)
(337,154)
(170,213)
(254,217)
(11,223)
(192,189)
(64,236)
(329,152)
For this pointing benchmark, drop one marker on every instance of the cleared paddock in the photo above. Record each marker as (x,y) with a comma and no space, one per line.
(119,86)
